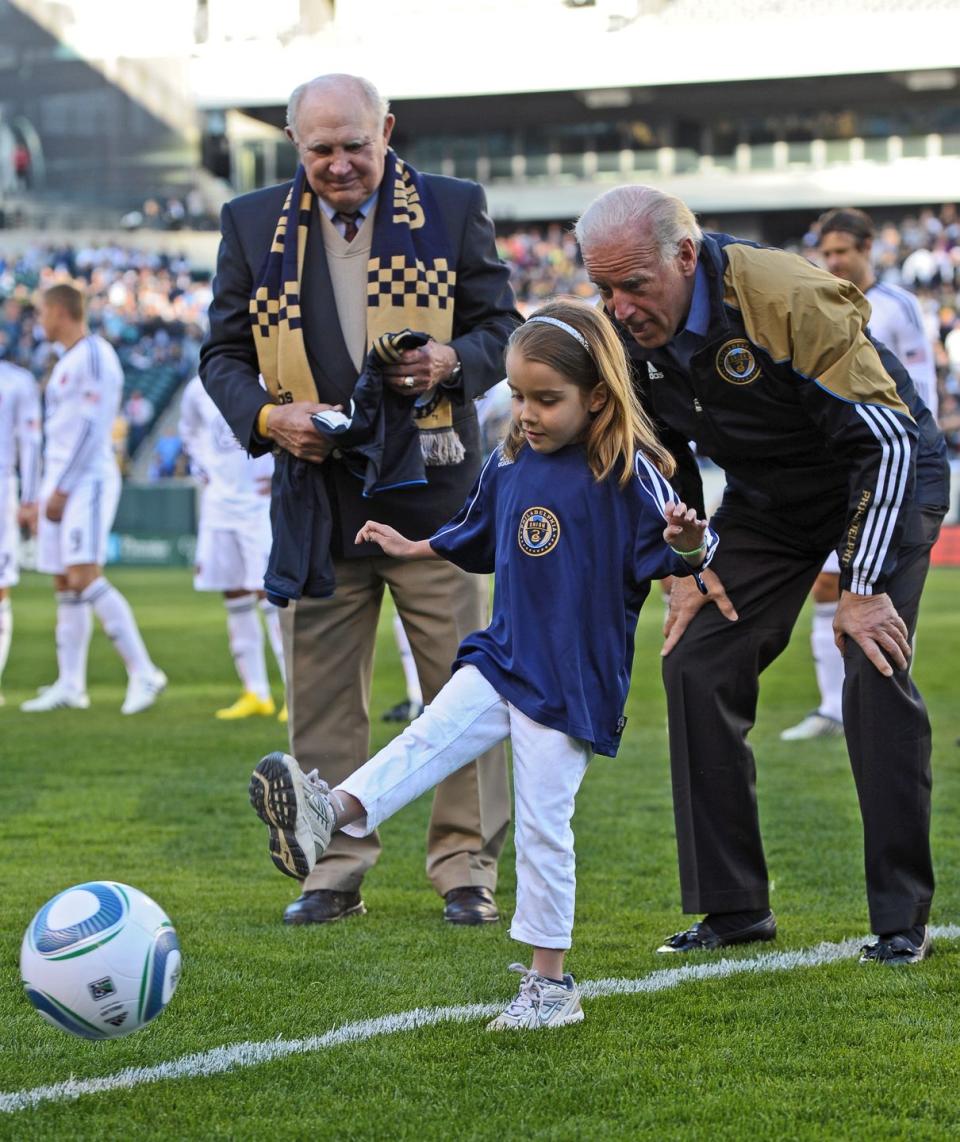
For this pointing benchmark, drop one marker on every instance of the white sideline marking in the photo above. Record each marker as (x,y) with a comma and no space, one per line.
(237,1055)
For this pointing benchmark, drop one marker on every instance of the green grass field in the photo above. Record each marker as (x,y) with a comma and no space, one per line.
(159,801)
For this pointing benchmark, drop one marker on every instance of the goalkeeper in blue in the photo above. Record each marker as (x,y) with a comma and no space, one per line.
(574,515)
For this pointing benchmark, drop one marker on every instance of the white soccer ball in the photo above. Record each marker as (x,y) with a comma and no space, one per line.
(100,960)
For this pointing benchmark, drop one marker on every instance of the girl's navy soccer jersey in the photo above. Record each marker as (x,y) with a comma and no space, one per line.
(573,560)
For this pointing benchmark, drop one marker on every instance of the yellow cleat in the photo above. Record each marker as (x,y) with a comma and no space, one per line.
(247,706)
(282,716)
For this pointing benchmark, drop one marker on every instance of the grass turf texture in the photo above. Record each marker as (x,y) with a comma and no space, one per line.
(159,801)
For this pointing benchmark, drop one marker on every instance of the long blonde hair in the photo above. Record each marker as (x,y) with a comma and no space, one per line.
(620,427)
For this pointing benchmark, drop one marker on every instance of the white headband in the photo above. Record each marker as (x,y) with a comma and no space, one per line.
(564,326)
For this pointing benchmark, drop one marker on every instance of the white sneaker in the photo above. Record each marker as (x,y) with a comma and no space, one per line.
(814,725)
(142,691)
(297,810)
(540,1003)
(56,697)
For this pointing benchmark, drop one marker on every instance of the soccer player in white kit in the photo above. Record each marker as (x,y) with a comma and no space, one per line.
(19,453)
(79,493)
(233,544)
(846,244)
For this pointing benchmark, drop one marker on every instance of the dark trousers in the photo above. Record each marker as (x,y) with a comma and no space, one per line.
(712,683)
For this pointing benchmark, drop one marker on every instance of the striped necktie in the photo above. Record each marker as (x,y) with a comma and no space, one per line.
(351,223)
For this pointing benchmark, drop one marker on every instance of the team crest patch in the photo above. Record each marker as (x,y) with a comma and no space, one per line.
(737,363)
(539,531)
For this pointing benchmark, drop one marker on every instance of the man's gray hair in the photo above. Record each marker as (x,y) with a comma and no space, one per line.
(366,93)
(626,207)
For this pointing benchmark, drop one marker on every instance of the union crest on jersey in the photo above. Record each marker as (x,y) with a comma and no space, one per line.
(737,363)
(539,531)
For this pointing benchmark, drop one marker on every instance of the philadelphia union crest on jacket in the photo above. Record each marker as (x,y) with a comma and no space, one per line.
(539,531)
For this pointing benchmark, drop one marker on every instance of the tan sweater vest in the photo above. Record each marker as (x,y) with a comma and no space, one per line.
(347,262)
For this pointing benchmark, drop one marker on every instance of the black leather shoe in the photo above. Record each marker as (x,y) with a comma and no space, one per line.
(402,712)
(323,906)
(899,949)
(470,905)
(702,938)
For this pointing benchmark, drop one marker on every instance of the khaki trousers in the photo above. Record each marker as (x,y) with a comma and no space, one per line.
(328,646)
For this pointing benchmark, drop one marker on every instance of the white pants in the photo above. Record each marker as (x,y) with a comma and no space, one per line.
(81,535)
(232,559)
(466,718)
(9,535)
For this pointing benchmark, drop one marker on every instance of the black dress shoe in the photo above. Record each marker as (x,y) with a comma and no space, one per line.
(470,905)
(702,938)
(403,712)
(322,906)
(898,949)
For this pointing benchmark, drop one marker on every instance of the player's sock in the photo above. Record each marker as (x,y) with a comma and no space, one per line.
(74,629)
(117,620)
(411,677)
(6,632)
(271,618)
(828,661)
(246,644)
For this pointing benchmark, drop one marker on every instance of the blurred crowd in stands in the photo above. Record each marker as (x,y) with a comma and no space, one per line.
(922,254)
(152,308)
(192,212)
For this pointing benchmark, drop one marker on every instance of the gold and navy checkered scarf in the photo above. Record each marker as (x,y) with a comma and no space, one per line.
(410,285)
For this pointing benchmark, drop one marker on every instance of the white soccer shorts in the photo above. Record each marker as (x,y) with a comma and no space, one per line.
(232,560)
(832,565)
(9,535)
(81,535)
(465,719)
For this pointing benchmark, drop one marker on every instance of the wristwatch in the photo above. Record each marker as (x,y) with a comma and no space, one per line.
(455,374)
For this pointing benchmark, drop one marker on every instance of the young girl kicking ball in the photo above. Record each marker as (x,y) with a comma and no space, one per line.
(569,513)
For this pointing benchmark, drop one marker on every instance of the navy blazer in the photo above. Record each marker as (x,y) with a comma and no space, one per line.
(484,317)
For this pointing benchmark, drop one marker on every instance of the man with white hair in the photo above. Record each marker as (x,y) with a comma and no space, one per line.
(764,362)
(309,275)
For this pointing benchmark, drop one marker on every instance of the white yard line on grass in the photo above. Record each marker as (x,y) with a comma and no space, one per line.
(237,1055)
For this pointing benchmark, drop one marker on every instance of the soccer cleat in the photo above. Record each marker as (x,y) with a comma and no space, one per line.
(56,697)
(540,1003)
(282,716)
(898,949)
(248,705)
(296,809)
(143,691)
(814,725)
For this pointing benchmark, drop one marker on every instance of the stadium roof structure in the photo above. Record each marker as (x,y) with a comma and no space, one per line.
(435,48)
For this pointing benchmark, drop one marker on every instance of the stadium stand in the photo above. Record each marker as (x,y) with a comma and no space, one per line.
(150,306)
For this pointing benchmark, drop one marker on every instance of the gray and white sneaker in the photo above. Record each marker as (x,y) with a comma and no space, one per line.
(143,690)
(540,1003)
(297,810)
(57,696)
(815,725)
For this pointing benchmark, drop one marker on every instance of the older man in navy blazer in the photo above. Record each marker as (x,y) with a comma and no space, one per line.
(359,195)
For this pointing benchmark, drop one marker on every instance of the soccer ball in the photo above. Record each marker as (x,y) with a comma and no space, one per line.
(100,960)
